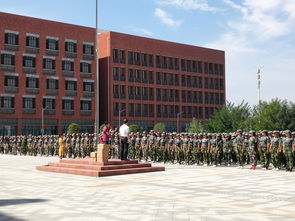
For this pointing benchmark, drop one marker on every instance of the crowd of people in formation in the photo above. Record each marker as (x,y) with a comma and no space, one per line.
(271,149)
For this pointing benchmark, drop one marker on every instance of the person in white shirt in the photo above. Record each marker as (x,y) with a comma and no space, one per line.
(124,135)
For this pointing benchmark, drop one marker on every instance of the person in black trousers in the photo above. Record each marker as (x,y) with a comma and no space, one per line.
(124,134)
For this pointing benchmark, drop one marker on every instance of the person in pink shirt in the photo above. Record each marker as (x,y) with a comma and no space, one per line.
(106,133)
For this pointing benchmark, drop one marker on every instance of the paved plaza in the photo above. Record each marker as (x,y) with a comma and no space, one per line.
(179,193)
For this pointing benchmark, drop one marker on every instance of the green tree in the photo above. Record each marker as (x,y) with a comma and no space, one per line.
(73,128)
(134,128)
(274,115)
(230,118)
(195,126)
(160,127)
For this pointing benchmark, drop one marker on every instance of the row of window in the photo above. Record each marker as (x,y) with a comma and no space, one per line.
(48,63)
(51,83)
(162,111)
(164,62)
(48,103)
(166,95)
(163,78)
(52,43)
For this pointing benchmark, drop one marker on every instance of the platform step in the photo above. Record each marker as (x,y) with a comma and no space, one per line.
(68,170)
(90,161)
(99,167)
(130,171)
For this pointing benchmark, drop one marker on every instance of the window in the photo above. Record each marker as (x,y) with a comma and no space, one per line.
(221,84)
(206,68)
(137,110)
(189,96)
(88,86)
(67,104)
(221,69)
(195,83)
(144,93)
(164,78)
(130,75)
(171,111)
(188,66)
(137,93)
(32,41)
(176,63)
(122,57)
(137,75)
(144,77)
(144,59)
(200,97)
(29,103)
(122,92)
(159,97)
(29,61)
(170,79)
(71,46)
(70,85)
(116,91)
(183,83)
(116,109)
(195,97)
(151,59)
(158,61)
(88,49)
(200,82)
(206,98)
(116,74)
(151,94)
(32,82)
(130,57)
(170,63)
(137,58)
(151,77)
(176,95)
(206,112)
(49,103)
(48,63)
(115,56)
(159,111)
(188,81)
(52,84)
(158,78)
(216,71)
(222,99)
(164,95)
(164,62)
(85,67)
(123,109)
(85,105)
(52,44)
(183,68)
(11,38)
(194,66)
(165,111)
(200,67)
(130,92)
(171,95)
(7,59)
(11,81)
(144,110)
(67,65)
(176,81)
(7,102)
(210,68)
(122,74)
(151,110)
(183,96)
(201,113)
(131,110)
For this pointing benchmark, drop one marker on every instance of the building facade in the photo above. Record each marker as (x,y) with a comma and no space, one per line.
(149,81)
(47,77)
(46,72)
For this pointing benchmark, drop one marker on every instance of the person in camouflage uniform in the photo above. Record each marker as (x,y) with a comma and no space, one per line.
(178,148)
(263,149)
(170,144)
(246,148)
(144,146)
(132,151)
(239,149)
(253,150)
(186,148)
(151,145)
(138,150)
(215,150)
(227,149)
(288,148)
(275,149)
(1,145)
(194,149)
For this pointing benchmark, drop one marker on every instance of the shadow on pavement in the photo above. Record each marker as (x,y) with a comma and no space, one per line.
(9,202)
(20,201)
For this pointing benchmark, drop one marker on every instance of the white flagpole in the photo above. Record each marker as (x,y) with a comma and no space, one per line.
(259,83)
(97,76)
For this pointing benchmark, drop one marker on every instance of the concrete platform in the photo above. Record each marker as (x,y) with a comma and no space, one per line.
(87,167)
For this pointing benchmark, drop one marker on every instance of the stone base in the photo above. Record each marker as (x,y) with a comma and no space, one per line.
(88,167)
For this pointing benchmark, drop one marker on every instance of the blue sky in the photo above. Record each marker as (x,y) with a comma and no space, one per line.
(253,33)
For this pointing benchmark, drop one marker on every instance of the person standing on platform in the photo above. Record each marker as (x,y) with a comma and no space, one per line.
(61,151)
(106,133)
(124,135)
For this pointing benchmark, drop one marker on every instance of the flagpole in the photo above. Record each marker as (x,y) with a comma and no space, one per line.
(259,84)
(97,76)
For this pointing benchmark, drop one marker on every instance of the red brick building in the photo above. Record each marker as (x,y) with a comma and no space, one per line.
(45,67)
(148,81)
(49,67)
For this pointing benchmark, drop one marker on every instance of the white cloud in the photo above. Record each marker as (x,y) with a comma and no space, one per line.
(166,18)
(188,4)
(144,31)
(259,36)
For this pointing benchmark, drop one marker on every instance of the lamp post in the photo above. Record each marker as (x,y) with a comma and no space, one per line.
(42,120)
(120,116)
(178,120)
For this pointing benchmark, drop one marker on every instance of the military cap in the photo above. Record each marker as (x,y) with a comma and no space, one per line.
(287,132)
(276,132)
(144,132)
(251,132)
(239,130)
(293,133)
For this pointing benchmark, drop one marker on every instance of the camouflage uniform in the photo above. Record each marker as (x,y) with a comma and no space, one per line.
(178,148)
(144,146)
(151,145)
(288,151)
(252,150)
(227,150)
(263,148)
(205,150)
(138,150)
(275,143)
(239,149)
